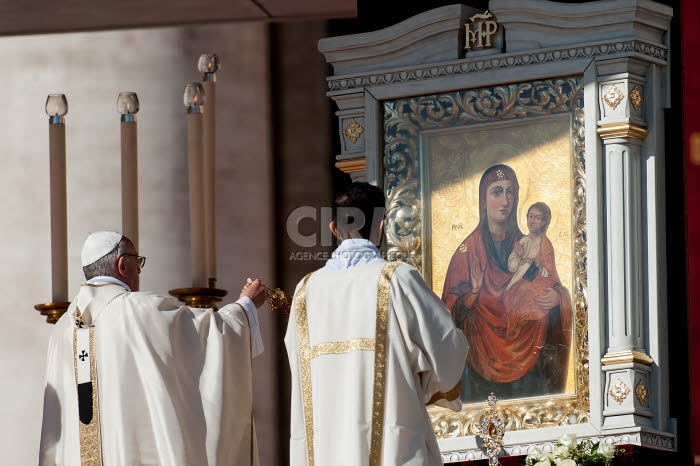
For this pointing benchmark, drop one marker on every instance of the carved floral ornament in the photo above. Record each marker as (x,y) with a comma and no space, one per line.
(656,54)
(613,97)
(353,130)
(641,392)
(404,120)
(619,391)
(636,98)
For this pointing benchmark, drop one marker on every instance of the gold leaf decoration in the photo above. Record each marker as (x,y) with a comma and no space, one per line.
(619,391)
(636,98)
(613,97)
(641,392)
(353,130)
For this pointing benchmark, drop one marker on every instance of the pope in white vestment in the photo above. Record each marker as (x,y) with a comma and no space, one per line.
(370,345)
(173,383)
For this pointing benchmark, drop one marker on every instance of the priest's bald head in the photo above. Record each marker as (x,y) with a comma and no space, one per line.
(110,254)
(358,212)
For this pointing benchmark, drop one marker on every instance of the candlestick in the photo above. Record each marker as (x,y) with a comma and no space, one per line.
(128,106)
(56,108)
(208,65)
(194,101)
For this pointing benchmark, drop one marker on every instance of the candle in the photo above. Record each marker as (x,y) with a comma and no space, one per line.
(194,101)
(128,106)
(56,108)
(208,65)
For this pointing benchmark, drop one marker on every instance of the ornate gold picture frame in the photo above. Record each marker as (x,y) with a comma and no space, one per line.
(441,153)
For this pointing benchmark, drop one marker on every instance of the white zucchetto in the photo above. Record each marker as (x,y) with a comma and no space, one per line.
(97,245)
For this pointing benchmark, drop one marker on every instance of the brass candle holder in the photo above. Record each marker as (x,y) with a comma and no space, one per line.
(199,297)
(53,310)
(209,297)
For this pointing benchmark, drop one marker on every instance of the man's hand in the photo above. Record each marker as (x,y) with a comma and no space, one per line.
(256,291)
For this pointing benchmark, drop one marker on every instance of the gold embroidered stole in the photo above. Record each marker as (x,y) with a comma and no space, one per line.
(379,345)
(252,420)
(90,441)
(85,368)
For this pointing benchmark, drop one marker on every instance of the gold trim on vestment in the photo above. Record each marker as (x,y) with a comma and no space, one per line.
(342,347)
(381,336)
(305,367)
(90,442)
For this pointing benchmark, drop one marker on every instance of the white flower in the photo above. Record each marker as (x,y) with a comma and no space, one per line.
(543,463)
(568,462)
(561,451)
(607,450)
(568,440)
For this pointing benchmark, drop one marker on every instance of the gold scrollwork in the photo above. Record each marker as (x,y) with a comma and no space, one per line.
(353,130)
(641,392)
(619,391)
(404,120)
(613,97)
(636,98)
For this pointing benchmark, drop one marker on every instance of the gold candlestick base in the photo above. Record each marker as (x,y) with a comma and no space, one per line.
(199,297)
(53,310)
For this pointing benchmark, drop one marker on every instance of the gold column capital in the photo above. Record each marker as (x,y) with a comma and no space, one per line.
(352,165)
(622,130)
(622,357)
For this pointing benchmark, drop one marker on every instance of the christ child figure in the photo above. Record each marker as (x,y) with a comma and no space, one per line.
(534,272)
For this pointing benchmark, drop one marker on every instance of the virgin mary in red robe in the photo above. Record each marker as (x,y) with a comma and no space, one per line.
(533,360)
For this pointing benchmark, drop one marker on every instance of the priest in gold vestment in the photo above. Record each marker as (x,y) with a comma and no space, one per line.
(135,378)
(370,345)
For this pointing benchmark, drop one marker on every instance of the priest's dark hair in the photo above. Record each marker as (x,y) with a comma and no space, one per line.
(360,199)
(105,266)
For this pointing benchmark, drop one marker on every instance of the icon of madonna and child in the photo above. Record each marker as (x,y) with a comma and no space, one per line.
(504,293)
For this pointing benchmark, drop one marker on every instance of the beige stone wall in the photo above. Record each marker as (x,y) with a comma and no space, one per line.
(91,68)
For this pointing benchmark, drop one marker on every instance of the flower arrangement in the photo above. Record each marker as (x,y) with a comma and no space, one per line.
(567,452)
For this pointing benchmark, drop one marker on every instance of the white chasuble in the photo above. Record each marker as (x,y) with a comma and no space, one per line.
(369,346)
(173,383)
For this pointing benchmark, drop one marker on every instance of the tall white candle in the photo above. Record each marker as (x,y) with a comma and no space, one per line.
(208,65)
(194,100)
(128,106)
(56,108)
